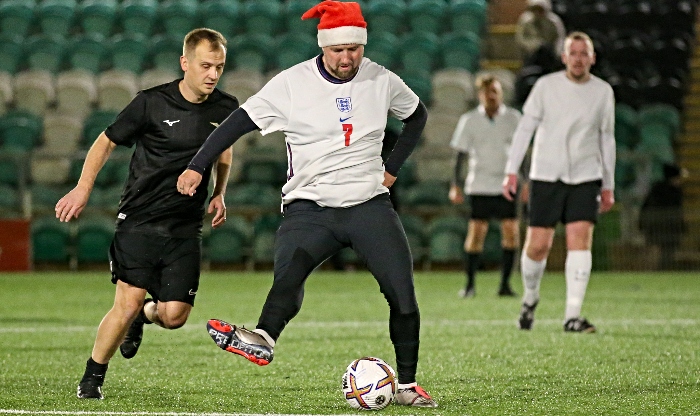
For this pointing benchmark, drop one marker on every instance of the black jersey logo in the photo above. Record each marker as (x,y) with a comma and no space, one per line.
(170,123)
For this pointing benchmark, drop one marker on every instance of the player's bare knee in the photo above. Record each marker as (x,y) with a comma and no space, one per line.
(174,322)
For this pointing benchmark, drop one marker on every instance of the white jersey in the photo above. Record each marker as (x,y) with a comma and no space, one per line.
(334,130)
(487,142)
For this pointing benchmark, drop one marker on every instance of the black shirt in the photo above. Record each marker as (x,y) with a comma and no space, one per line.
(167,131)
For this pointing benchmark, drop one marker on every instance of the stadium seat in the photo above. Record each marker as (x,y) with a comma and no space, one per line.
(115,89)
(242,83)
(263,245)
(165,51)
(11,165)
(138,16)
(49,169)
(264,172)
(178,17)
(221,15)
(453,91)
(10,201)
(34,91)
(129,52)
(426,15)
(679,14)
(56,17)
(95,124)
(663,115)
(97,17)
(157,76)
(293,9)
(45,52)
(293,48)
(7,95)
(45,196)
(626,125)
(446,243)
(427,193)
(666,90)
(88,52)
(419,51)
(253,51)
(419,81)
(467,16)
(255,195)
(61,134)
(16,17)
(461,51)
(383,48)
(415,232)
(229,242)
(439,129)
(11,53)
(76,92)
(262,16)
(20,130)
(385,16)
(94,236)
(51,239)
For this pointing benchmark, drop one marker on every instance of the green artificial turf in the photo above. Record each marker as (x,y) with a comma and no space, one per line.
(473,360)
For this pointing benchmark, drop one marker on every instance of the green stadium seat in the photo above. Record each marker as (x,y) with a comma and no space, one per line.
(429,193)
(51,239)
(7,94)
(94,236)
(426,15)
(10,201)
(447,235)
(165,52)
(178,17)
(98,17)
(467,16)
(293,9)
(95,124)
(89,52)
(104,177)
(229,242)
(252,52)
(420,51)
(293,48)
(661,115)
(262,16)
(56,17)
(385,16)
(263,245)
(138,17)
(221,15)
(253,194)
(16,17)
(129,52)
(11,53)
(20,130)
(626,125)
(45,196)
(420,82)
(264,172)
(383,48)
(45,52)
(10,169)
(461,51)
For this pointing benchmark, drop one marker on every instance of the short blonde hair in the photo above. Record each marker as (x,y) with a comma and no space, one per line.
(194,37)
(484,81)
(579,36)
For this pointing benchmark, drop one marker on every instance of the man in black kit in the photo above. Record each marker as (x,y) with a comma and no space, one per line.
(157,243)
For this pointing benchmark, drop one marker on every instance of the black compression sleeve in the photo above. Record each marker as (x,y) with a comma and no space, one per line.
(408,139)
(459,159)
(236,125)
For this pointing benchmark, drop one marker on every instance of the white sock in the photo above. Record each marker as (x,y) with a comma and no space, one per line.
(578,272)
(406,386)
(532,272)
(265,335)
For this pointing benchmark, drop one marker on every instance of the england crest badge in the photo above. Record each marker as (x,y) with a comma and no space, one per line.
(344,104)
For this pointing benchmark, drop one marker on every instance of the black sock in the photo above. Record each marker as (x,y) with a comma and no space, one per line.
(471,265)
(94,371)
(403,331)
(507,260)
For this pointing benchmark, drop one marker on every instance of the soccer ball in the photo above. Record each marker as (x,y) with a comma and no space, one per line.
(369,383)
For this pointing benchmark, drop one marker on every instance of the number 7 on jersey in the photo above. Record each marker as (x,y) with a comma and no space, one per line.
(347,128)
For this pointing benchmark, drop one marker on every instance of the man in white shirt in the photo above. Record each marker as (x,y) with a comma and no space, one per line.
(333,110)
(572,115)
(484,135)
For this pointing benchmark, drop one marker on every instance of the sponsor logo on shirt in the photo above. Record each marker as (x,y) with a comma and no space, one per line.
(343,120)
(344,104)
(121,216)
(170,123)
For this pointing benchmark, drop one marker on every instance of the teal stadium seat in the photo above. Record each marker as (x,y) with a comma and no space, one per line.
(426,15)
(221,15)
(10,201)
(45,196)
(255,195)
(420,51)
(427,193)
(659,125)
(11,53)
(16,17)
(263,246)
(229,243)
(264,172)
(98,17)
(178,17)
(10,169)
(89,52)
(129,52)
(461,51)
(383,48)
(46,52)
(420,81)
(467,16)
(56,17)
(293,9)
(165,52)
(95,124)
(447,239)
(138,17)
(385,16)
(662,115)
(20,130)
(94,236)
(293,48)
(626,125)
(414,227)
(51,239)
(252,52)
(262,16)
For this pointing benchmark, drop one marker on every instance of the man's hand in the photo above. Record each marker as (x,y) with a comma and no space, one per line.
(217,204)
(72,204)
(188,182)
(510,186)
(389,179)
(607,200)
(456,196)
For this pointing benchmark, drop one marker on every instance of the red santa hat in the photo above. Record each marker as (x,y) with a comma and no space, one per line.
(341,23)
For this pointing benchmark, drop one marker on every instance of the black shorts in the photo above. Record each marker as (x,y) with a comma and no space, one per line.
(553,202)
(168,268)
(486,207)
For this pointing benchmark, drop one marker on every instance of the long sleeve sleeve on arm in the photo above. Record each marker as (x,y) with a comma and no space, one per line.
(408,139)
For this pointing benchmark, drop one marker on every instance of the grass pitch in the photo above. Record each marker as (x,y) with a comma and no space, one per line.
(643,361)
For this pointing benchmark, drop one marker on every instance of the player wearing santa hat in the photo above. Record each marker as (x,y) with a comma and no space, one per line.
(333,111)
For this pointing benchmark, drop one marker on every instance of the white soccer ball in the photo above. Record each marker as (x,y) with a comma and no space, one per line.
(369,383)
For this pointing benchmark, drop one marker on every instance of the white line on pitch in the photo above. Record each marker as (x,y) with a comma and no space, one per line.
(85,413)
